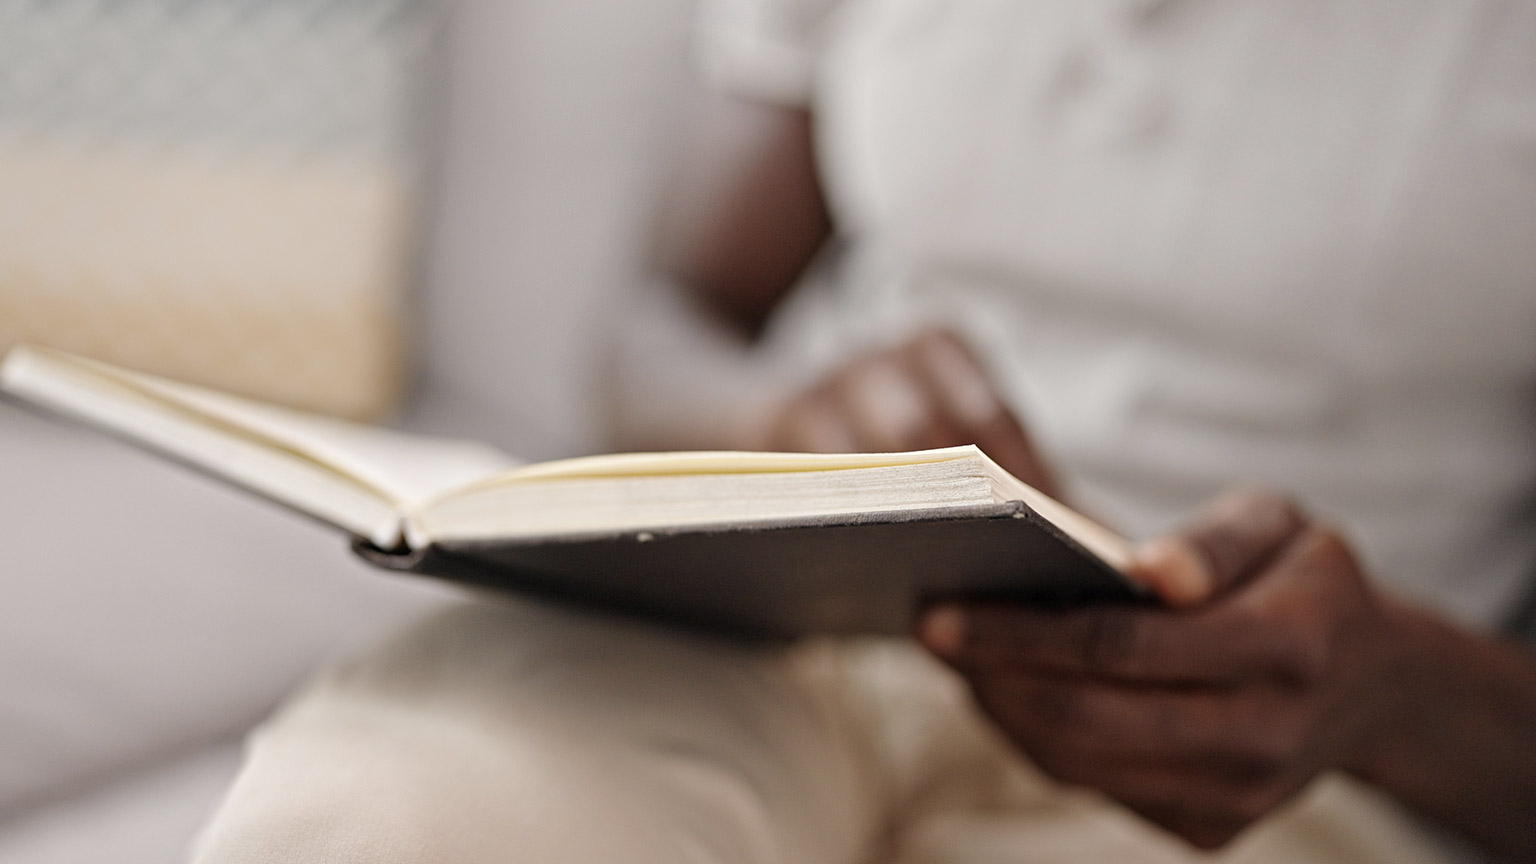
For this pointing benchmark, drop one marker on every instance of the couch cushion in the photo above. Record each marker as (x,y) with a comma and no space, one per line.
(146,815)
(146,607)
(217,192)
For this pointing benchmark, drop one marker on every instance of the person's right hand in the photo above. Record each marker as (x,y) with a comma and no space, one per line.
(929,391)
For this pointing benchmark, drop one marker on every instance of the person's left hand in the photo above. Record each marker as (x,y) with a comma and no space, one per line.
(1267,666)
(931,390)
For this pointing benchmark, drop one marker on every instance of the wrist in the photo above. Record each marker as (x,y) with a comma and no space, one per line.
(1452,740)
(1415,677)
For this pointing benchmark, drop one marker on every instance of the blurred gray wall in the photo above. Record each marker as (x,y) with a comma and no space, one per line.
(553,132)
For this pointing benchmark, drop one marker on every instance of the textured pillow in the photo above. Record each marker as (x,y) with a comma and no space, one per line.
(216,191)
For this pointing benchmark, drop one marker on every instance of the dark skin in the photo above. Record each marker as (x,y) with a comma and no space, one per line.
(928,391)
(1271,659)
(1206,715)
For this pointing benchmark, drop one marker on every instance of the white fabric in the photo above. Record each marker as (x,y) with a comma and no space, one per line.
(503,732)
(1258,241)
(766,50)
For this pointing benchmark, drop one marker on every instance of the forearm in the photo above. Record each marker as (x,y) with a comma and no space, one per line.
(744,220)
(1458,741)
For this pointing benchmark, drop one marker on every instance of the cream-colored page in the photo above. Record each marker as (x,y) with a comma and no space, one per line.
(359,478)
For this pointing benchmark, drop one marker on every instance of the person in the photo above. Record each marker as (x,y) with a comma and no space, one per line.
(1140,251)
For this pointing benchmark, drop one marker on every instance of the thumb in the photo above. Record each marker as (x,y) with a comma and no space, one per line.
(1230,541)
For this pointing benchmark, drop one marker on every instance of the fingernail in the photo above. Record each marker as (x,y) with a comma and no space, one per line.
(942,630)
(1174,569)
(968,391)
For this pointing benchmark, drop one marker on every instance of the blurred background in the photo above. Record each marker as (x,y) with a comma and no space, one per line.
(412,211)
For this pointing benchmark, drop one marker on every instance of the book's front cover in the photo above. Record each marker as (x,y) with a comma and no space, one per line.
(846,574)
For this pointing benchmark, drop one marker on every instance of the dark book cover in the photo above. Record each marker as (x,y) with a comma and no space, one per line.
(845,574)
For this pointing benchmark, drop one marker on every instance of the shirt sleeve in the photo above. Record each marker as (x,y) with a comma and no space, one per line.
(766,50)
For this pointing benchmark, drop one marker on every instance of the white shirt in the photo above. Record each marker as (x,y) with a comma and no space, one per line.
(1290,242)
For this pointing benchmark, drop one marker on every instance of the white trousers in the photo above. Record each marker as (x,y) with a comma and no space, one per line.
(508,732)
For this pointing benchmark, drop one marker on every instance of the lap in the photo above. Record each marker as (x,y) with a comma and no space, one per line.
(503,731)
(502,727)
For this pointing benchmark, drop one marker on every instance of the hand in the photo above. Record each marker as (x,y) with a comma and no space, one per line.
(930,391)
(1268,667)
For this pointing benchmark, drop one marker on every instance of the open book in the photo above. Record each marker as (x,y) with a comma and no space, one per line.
(764,543)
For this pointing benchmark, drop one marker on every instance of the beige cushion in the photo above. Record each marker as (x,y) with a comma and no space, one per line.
(281,281)
(217,192)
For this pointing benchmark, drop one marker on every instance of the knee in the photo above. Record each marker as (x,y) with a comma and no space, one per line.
(338,798)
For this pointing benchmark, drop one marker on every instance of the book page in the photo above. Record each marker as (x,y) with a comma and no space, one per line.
(410,468)
(698,462)
(1101,541)
(359,479)
(567,503)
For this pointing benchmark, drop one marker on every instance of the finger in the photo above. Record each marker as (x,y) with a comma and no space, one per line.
(964,392)
(1223,547)
(1204,829)
(1209,647)
(813,424)
(1318,559)
(1305,600)
(963,385)
(1184,760)
(1206,808)
(1100,726)
(887,409)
